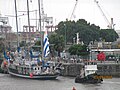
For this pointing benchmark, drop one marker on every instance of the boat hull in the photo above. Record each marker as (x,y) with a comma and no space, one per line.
(46,77)
(90,80)
(15,72)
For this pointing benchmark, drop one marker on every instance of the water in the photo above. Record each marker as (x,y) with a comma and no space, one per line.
(8,82)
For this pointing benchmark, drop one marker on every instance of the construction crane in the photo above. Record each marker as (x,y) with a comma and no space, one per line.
(110,24)
(74,10)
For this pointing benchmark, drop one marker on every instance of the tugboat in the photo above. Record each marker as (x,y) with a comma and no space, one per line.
(88,73)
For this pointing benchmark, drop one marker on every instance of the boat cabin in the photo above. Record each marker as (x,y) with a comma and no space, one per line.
(90,67)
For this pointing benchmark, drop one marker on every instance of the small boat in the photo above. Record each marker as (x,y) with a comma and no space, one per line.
(89,73)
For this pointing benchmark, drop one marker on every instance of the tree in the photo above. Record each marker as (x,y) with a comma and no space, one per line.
(38,43)
(86,31)
(79,50)
(57,41)
(67,29)
(109,35)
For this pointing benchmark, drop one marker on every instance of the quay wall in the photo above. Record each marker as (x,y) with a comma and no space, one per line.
(73,69)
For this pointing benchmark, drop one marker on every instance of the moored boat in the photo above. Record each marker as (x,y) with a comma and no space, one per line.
(30,64)
(33,70)
(27,63)
(89,73)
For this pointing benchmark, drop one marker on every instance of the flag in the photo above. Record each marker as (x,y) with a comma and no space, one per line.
(46,49)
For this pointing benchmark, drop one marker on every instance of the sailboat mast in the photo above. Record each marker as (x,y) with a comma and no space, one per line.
(40,26)
(16,23)
(29,21)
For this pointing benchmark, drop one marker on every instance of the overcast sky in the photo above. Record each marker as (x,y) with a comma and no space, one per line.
(62,9)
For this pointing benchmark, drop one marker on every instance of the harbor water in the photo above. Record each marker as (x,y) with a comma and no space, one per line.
(8,82)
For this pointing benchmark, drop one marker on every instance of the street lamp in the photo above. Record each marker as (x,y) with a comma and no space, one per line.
(65,36)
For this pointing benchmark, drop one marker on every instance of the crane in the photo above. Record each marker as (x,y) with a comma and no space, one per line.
(73,10)
(110,24)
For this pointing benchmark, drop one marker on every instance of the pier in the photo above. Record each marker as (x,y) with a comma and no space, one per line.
(104,68)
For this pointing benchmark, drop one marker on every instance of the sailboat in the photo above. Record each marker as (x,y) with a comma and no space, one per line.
(34,67)
(32,64)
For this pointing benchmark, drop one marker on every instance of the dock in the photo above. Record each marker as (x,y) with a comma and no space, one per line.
(104,68)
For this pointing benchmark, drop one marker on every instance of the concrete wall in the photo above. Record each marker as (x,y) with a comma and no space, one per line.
(103,69)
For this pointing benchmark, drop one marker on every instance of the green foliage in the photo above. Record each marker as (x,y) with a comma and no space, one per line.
(109,35)
(57,41)
(78,49)
(66,30)
(38,43)
(87,32)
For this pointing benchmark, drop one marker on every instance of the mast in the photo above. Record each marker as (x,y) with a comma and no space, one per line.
(40,26)
(29,21)
(16,23)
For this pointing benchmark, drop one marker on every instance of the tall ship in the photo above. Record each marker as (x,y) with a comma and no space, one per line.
(30,63)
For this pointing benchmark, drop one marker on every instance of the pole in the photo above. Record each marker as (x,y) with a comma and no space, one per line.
(65,36)
(36,18)
(90,50)
(16,23)
(29,21)
(40,27)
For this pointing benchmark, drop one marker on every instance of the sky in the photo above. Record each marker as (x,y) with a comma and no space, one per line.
(61,10)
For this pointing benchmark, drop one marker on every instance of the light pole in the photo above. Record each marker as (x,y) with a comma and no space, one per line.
(90,47)
(65,36)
